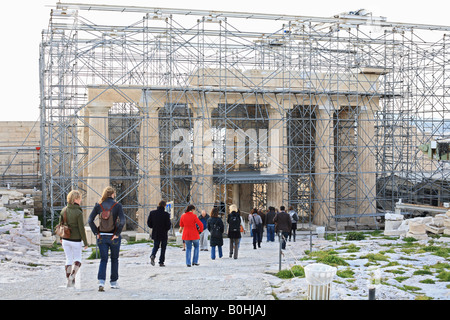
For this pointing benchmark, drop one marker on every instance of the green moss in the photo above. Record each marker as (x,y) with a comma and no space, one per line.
(355,236)
(294,272)
(401,279)
(444,276)
(422,272)
(373,257)
(428,281)
(347,273)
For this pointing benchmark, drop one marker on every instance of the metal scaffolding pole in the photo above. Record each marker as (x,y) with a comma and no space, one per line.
(213,108)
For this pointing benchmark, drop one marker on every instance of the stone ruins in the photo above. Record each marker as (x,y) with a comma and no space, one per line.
(418,227)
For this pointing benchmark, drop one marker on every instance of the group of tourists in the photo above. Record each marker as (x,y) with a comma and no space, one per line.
(107,232)
(196,232)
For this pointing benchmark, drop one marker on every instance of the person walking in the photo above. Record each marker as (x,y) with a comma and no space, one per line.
(283,225)
(294,218)
(204,235)
(234,230)
(263,218)
(257,226)
(108,233)
(73,217)
(188,226)
(159,221)
(215,227)
(270,224)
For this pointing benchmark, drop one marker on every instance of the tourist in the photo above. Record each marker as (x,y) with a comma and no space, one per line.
(188,226)
(234,230)
(270,225)
(283,225)
(108,233)
(263,218)
(294,219)
(257,226)
(216,228)
(159,221)
(204,235)
(73,216)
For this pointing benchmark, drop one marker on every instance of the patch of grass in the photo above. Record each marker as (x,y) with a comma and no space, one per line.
(437,250)
(422,272)
(95,254)
(350,248)
(410,288)
(328,257)
(374,257)
(355,236)
(347,273)
(427,281)
(444,276)
(410,239)
(294,272)
(394,271)
(440,266)
(421,297)
(401,279)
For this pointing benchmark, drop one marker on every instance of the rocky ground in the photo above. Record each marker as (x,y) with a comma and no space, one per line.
(403,271)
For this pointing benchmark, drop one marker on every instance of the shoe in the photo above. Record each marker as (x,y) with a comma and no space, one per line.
(114,285)
(188,265)
(152,260)
(70,283)
(196,264)
(101,285)
(162,264)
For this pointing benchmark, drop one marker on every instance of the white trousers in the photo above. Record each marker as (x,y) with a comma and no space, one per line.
(72,250)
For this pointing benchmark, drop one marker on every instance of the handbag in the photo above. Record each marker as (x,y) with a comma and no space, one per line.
(62,229)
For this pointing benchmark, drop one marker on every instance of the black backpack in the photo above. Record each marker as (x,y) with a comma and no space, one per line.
(235,222)
(215,231)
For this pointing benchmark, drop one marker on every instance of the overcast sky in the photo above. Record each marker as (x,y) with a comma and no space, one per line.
(23,21)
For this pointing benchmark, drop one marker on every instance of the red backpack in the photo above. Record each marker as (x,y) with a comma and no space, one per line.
(107,223)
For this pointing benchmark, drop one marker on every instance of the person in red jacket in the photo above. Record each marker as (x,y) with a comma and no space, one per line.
(191,227)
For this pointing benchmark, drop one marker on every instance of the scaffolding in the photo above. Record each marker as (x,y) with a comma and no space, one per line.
(192,105)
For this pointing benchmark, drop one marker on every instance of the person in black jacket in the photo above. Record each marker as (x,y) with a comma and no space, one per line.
(108,234)
(234,230)
(159,221)
(216,228)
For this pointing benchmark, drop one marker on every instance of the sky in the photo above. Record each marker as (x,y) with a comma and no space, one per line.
(23,21)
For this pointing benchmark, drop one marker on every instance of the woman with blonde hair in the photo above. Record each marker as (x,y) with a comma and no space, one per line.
(111,222)
(73,216)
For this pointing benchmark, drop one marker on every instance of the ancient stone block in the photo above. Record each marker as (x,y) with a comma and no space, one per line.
(416,228)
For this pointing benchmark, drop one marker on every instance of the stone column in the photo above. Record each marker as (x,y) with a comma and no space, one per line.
(202,187)
(98,153)
(366,191)
(277,148)
(149,190)
(324,190)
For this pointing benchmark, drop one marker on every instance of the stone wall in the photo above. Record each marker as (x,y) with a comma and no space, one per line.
(19,166)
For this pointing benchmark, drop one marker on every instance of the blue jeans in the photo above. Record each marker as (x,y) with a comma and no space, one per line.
(105,244)
(270,232)
(156,245)
(213,251)
(256,237)
(284,236)
(189,244)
